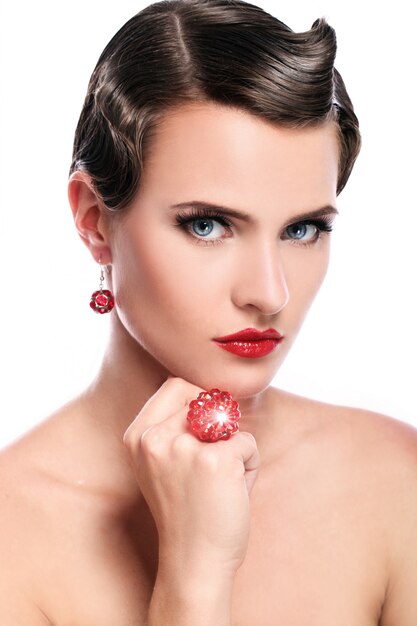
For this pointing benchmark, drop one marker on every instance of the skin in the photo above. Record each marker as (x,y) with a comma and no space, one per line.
(316,508)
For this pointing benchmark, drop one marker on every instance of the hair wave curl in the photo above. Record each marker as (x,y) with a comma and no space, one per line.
(225,51)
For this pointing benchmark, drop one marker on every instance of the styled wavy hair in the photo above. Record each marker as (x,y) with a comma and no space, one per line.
(223,51)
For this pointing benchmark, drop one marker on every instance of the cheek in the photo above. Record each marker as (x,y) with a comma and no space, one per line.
(171,282)
(306,273)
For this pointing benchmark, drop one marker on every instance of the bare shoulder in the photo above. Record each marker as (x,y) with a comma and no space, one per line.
(369,450)
(57,496)
(387,447)
(51,466)
(20,538)
(383,438)
(37,497)
(393,450)
(394,444)
(374,458)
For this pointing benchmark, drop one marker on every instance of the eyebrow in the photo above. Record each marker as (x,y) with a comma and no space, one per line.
(327,209)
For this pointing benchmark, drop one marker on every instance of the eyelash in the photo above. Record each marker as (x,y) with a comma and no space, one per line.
(323,225)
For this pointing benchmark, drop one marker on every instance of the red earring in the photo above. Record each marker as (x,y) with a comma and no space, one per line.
(102,301)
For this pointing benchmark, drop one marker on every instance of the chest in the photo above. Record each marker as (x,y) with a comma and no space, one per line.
(315,557)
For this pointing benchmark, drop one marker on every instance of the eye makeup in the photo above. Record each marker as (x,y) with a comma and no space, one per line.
(187,220)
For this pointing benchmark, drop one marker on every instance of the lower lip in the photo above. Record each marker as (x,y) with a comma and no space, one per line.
(250,349)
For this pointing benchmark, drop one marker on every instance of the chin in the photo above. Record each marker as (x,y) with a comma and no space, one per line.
(240,384)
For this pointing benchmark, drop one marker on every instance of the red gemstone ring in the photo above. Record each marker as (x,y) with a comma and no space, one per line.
(214,415)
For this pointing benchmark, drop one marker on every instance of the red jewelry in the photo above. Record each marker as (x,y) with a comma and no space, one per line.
(214,415)
(102,301)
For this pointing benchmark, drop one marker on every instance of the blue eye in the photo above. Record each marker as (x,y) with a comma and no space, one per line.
(297,232)
(207,227)
(200,226)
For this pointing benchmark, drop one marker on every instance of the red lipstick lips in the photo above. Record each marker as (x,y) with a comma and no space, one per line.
(250,343)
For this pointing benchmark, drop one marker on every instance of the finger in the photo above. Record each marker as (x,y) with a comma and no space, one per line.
(173,395)
(246,450)
(243,446)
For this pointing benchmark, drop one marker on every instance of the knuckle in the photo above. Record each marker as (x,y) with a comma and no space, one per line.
(251,439)
(182,387)
(151,443)
(209,459)
(182,445)
(175,382)
(128,439)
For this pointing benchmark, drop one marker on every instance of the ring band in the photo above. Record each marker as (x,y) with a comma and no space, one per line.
(214,415)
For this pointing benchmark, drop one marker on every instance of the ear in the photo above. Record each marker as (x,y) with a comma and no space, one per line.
(89,216)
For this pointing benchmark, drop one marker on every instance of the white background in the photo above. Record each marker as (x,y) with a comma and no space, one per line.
(358,344)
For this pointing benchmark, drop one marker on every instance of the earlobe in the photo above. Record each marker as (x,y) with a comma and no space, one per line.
(88,213)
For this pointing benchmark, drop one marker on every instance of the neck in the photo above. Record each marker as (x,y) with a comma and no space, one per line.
(129,375)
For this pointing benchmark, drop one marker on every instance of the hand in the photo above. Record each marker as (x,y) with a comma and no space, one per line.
(197,492)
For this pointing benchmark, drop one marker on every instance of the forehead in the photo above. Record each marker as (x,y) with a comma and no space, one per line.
(212,150)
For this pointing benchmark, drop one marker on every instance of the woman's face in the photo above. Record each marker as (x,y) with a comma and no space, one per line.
(179,286)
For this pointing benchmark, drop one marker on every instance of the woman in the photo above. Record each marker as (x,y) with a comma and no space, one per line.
(210,150)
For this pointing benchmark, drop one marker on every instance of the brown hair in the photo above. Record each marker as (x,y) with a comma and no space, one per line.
(225,51)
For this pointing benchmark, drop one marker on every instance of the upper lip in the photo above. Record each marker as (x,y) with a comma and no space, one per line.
(251,334)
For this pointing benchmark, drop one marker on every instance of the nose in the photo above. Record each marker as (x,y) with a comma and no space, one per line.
(260,279)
